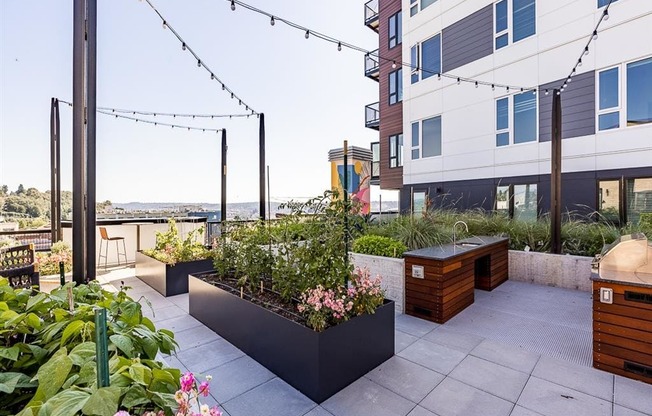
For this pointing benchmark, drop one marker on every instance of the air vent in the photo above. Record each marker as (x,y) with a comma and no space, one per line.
(639,369)
(638,297)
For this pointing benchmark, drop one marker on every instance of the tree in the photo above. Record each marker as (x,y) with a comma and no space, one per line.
(20,190)
(4,190)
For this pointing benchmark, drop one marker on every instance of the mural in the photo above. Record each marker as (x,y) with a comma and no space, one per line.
(359,175)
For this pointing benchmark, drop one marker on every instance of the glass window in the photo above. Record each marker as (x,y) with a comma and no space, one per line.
(502,122)
(415,140)
(426,3)
(414,7)
(415,154)
(609,121)
(639,198)
(608,88)
(525,202)
(503,199)
(395,35)
(431,140)
(609,200)
(431,57)
(414,63)
(525,117)
(502,41)
(419,203)
(602,3)
(395,87)
(501,16)
(639,92)
(396,151)
(524,19)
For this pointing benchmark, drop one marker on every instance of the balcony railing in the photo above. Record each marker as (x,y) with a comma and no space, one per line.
(372,65)
(372,116)
(371,15)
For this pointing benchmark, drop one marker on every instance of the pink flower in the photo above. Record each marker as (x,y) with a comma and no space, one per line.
(215,411)
(204,389)
(121,413)
(187,381)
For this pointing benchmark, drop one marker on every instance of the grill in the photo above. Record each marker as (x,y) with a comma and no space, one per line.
(622,308)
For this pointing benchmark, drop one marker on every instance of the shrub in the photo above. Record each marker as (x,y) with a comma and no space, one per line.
(48,263)
(379,246)
(171,249)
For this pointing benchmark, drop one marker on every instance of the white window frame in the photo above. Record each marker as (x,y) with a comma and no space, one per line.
(509,129)
(510,24)
(512,120)
(419,68)
(414,7)
(622,69)
(420,146)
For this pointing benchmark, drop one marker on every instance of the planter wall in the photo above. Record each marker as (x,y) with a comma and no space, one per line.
(566,271)
(319,364)
(392,272)
(165,279)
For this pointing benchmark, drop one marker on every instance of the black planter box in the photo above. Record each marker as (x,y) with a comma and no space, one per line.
(165,279)
(318,364)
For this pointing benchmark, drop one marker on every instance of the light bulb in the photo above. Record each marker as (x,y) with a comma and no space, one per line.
(231,95)
(595,35)
(534,92)
(558,92)
(458,81)
(547,92)
(198,63)
(165,25)
(393,64)
(339,46)
(565,85)
(476,84)
(183,46)
(606,15)
(232,4)
(579,63)
(223,87)
(507,89)
(212,76)
(493,87)
(569,80)
(439,76)
(586,50)
(307,34)
(272,21)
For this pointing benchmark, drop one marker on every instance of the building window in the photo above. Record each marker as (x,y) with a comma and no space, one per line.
(639,92)
(425,59)
(502,122)
(524,116)
(375,160)
(395,87)
(419,204)
(429,144)
(608,99)
(602,3)
(396,151)
(426,3)
(414,7)
(639,198)
(522,21)
(415,140)
(609,200)
(395,30)
(525,202)
(503,200)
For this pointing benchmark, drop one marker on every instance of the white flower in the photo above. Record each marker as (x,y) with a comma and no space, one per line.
(204,410)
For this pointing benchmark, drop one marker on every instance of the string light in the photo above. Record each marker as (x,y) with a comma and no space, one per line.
(272,21)
(307,34)
(586,50)
(185,46)
(458,81)
(158,113)
(339,46)
(595,35)
(157,123)
(605,15)
(547,92)
(393,64)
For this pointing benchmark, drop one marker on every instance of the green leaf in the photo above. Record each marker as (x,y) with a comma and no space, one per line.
(52,375)
(10,353)
(87,374)
(140,374)
(148,323)
(3,306)
(103,402)
(131,312)
(36,300)
(9,381)
(8,315)
(33,320)
(68,402)
(164,381)
(163,400)
(82,353)
(123,343)
(38,352)
(136,395)
(73,329)
(71,380)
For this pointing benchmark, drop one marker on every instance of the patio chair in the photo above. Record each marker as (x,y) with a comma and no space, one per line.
(105,241)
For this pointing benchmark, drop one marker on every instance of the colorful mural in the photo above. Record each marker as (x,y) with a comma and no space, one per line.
(359,175)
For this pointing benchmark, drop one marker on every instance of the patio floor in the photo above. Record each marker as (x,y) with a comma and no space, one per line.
(521,350)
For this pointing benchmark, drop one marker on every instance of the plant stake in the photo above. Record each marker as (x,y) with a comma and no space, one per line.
(101,348)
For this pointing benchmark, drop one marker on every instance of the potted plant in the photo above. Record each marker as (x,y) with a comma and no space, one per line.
(299,310)
(166,267)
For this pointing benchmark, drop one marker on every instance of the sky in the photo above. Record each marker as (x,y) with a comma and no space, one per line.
(312,95)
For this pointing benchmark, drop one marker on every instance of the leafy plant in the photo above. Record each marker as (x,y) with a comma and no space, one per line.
(171,249)
(377,245)
(49,262)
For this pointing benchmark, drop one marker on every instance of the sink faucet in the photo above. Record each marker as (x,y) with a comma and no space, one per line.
(455,227)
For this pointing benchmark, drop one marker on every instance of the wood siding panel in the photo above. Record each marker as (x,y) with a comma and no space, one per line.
(391,116)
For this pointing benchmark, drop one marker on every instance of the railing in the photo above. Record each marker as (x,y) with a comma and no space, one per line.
(41,238)
(370,12)
(372,115)
(371,64)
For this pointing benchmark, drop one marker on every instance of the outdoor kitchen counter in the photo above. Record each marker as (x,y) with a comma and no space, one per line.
(628,278)
(440,280)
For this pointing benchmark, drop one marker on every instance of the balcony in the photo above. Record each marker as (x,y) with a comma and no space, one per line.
(372,65)
(372,116)
(375,163)
(371,19)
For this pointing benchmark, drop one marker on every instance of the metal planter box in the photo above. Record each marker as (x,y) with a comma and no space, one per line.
(165,279)
(318,364)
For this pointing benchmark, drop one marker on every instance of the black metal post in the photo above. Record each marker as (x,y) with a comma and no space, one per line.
(79,143)
(223,200)
(261,165)
(555,175)
(345,188)
(91,88)
(55,172)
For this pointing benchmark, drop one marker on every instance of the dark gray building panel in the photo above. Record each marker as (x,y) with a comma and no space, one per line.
(577,106)
(468,39)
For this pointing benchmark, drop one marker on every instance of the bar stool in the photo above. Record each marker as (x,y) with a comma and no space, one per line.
(106,239)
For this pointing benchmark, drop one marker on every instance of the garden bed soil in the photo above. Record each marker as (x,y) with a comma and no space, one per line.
(165,279)
(319,364)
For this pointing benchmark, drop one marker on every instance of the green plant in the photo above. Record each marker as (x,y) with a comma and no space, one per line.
(49,262)
(171,249)
(47,353)
(377,245)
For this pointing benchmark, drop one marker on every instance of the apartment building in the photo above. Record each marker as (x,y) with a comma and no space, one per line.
(468,145)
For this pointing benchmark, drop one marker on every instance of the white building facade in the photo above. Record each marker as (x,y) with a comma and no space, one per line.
(471,146)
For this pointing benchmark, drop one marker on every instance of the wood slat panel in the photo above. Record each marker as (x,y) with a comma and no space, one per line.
(645,336)
(626,354)
(621,321)
(621,342)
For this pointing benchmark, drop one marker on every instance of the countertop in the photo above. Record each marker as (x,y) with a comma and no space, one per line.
(447,251)
(623,278)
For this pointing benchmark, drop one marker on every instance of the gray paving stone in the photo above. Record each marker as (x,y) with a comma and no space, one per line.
(508,355)
(585,379)
(551,399)
(454,398)
(318,411)
(434,356)
(161,314)
(273,398)
(194,337)
(453,339)
(420,411)
(237,377)
(181,301)
(500,381)
(623,411)
(405,378)
(173,362)
(402,341)
(179,323)
(522,411)
(156,300)
(413,326)
(633,394)
(207,356)
(364,397)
